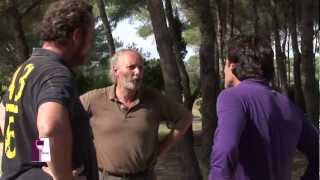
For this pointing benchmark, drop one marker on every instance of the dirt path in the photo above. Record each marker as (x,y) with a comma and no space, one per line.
(168,166)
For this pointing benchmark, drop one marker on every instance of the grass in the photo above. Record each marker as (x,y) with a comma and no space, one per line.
(196,123)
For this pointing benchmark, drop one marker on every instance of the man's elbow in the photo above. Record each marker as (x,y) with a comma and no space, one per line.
(47,129)
(52,120)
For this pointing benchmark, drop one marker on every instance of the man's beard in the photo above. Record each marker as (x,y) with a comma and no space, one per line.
(134,84)
(79,57)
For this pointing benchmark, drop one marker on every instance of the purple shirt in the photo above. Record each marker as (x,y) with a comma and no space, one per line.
(257,135)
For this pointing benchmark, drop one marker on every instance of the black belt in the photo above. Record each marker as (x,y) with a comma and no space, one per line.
(125,175)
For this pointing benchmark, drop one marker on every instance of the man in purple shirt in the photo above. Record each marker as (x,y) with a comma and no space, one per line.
(258,128)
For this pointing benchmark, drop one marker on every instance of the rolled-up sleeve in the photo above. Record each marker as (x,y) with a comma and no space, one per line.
(231,122)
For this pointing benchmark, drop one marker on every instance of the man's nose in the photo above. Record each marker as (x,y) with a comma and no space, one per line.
(137,71)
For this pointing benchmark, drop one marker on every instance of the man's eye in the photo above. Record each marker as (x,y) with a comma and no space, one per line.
(131,67)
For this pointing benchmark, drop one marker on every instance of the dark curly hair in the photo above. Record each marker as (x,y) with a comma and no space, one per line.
(63,17)
(253,57)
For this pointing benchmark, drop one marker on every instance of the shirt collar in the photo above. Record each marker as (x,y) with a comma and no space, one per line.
(255,80)
(53,56)
(112,95)
(46,52)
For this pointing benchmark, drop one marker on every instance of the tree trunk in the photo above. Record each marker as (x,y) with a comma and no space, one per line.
(280,56)
(209,78)
(185,146)
(298,95)
(106,25)
(179,49)
(209,81)
(167,59)
(222,13)
(288,62)
(255,16)
(171,78)
(309,83)
(22,48)
(231,18)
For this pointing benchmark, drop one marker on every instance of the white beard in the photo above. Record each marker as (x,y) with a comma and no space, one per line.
(133,84)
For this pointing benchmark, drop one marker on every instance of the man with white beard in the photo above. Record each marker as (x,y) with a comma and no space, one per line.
(125,119)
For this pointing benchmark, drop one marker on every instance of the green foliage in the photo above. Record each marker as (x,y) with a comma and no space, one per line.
(144,31)
(30,20)
(192,35)
(143,17)
(152,74)
(120,9)
(193,69)
(95,74)
(94,78)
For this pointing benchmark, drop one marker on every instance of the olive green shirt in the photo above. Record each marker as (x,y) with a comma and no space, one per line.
(126,140)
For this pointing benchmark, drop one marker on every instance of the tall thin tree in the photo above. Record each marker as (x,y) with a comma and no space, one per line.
(298,95)
(309,83)
(179,49)
(170,72)
(209,78)
(280,56)
(106,24)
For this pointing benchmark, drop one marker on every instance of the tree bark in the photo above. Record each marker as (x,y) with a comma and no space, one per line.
(191,164)
(280,56)
(179,50)
(22,48)
(222,13)
(256,17)
(289,62)
(309,83)
(231,18)
(106,25)
(298,95)
(31,7)
(209,78)
(164,46)
(171,78)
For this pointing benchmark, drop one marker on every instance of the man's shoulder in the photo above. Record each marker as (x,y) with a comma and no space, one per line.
(246,89)
(45,68)
(231,91)
(235,94)
(96,93)
(91,97)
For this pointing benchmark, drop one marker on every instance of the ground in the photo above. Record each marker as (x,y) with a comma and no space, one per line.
(169,168)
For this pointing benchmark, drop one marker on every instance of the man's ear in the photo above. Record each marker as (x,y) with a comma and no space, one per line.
(114,69)
(230,65)
(77,35)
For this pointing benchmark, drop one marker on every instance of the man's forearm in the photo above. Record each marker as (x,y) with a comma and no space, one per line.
(61,154)
(171,139)
(53,123)
(168,142)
